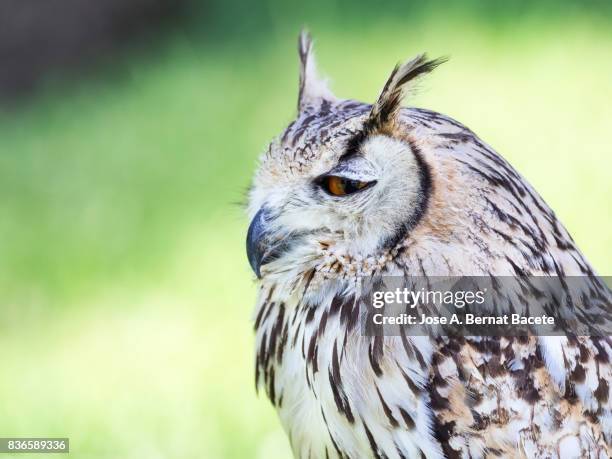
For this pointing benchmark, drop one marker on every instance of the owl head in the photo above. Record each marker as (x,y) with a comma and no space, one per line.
(348,187)
(344,181)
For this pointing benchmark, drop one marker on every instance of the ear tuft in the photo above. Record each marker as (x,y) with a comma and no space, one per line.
(313,89)
(386,108)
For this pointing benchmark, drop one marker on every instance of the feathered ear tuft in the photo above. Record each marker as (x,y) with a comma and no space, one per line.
(313,90)
(386,108)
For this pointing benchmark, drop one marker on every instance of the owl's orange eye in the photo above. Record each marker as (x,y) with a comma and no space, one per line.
(339,186)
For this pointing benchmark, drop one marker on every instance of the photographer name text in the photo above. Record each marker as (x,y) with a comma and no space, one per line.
(467,319)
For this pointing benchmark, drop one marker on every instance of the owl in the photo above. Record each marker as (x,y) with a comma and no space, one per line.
(351,192)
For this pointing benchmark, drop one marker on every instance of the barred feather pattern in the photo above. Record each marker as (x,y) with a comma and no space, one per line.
(340,394)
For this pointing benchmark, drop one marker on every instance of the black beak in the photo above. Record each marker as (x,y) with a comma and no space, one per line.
(256,244)
(262,245)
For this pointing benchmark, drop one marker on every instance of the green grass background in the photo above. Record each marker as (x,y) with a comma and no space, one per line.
(125,294)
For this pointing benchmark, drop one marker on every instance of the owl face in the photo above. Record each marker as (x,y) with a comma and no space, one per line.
(343,179)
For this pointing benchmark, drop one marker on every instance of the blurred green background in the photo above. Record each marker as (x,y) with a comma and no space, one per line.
(125,294)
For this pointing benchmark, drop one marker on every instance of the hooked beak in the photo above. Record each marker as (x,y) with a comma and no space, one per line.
(264,245)
(256,241)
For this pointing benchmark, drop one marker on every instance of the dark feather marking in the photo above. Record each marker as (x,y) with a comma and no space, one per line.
(287,131)
(312,357)
(438,402)
(386,409)
(275,331)
(525,385)
(309,275)
(322,323)
(309,315)
(296,334)
(578,375)
(411,384)
(513,222)
(263,307)
(261,359)
(602,354)
(430,115)
(420,206)
(345,311)
(584,354)
(443,433)
(335,381)
(272,386)
(602,393)
(331,437)
(375,353)
(437,380)
(419,357)
(407,345)
(283,343)
(517,269)
(260,314)
(336,304)
(378,454)
(407,419)
(570,393)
